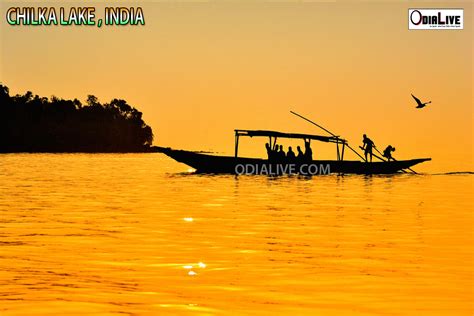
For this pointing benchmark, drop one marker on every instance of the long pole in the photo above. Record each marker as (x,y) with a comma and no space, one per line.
(327,131)
(396,160)
(378,157)
(381,157)
(308,120)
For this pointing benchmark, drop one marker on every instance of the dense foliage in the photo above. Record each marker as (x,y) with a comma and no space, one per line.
(30,123)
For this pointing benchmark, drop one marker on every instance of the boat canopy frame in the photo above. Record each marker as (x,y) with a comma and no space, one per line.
(274,135)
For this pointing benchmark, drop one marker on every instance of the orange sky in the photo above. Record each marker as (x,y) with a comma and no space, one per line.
(199,70)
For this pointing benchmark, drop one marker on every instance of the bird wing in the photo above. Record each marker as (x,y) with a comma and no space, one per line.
(416,99)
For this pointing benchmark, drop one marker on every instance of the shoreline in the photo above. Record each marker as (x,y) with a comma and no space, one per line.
(140,151)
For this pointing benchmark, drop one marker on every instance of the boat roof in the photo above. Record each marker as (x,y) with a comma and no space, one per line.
(265,133)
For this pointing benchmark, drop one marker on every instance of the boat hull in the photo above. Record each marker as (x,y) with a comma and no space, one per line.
(206,163)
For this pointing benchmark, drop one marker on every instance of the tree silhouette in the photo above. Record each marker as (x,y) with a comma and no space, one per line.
(30,123)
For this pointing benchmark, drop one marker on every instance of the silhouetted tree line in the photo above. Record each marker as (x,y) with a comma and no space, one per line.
(30,123)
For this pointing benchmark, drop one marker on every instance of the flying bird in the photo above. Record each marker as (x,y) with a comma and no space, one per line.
(420,104)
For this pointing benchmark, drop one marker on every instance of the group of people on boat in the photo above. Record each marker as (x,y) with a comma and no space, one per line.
(277,153)
(368,145)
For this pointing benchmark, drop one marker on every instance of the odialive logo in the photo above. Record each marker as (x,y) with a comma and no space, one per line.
(435,19)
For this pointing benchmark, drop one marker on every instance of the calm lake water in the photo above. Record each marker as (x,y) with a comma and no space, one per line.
(135,234)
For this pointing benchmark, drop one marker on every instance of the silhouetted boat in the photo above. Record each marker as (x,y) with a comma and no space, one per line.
(208,163)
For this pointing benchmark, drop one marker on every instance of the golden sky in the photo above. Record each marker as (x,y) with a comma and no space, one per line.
(198,70)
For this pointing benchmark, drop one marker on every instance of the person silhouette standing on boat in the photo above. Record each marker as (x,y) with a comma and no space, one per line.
(308,152)
(290,155)
(367,146)
(274,152)
(300,156)
(387,153)
(281,154)
(269,151)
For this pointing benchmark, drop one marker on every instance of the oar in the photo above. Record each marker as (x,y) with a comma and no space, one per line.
(396,160)
(403,170)
(407,168)
(327,131)
(362,148)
